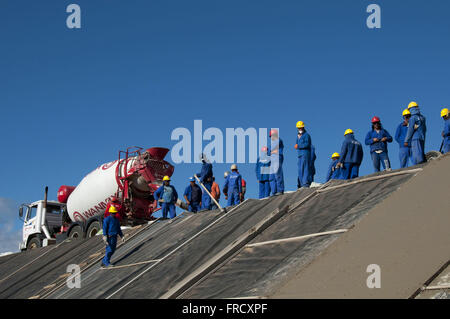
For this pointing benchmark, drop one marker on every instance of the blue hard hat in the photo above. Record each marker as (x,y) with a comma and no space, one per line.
(191,179)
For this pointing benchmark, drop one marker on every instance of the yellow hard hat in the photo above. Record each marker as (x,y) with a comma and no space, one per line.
(444,112)
(335,155)
(166,178)
(412,104)
(113,209)
(300,124)
(349,131)
(406,112)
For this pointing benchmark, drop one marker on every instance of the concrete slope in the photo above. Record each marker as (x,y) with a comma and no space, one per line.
(407,235)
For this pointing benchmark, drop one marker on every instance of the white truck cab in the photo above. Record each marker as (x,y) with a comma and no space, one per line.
(40,223)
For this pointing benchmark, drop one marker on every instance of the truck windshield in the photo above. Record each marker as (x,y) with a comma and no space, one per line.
(32,212)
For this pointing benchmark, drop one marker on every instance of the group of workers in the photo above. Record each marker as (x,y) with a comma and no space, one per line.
(410,135)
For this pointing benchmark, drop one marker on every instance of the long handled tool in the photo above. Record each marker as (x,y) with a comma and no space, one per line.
(214,200)
(442,145)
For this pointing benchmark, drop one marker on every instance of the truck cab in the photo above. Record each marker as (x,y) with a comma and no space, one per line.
(41,223)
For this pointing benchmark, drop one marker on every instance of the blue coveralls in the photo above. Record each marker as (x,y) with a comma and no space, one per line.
(404,151)
(333,172)
(304,160)
(205,177)
(276,177)
(379,150)
(170,196)
(263,175)
(233,187)
(111,228)
(446,133)
(193,206)
(415,136)
(313,161)
(351,156)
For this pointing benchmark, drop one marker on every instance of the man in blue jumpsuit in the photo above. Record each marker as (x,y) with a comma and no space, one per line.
(193,195)
(415,136)
(313,163)
(206,178)
(351,156)
(333,171)
(400,134)
(303,147)
(378,138)
(276,163)
(446,133)
(167,196)
(111,228)
(263,173)
(233,186)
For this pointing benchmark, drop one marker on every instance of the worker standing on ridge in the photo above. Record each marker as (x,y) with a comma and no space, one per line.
(333,171)
(351,156)
(193,195)
(400,134)
(445,114)
(114,202)
(415,136)
(313,163)
(276,163)
(205,176)
(215,193)
(166,195)
(378,138)
(111,228)
(233,187)
(303,147)
(262,173)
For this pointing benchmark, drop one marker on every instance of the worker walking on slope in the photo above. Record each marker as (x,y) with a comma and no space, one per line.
(351,156)
(276,163)
(111,228)
(378,138)
(333,171)
(167,196)
(193,195)
(415,136)
(263,173)
(303,147)
(445,114)
(400,134)
(205,176)
(233,187)
(215,193)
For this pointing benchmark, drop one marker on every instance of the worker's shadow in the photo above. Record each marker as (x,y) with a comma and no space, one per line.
(131,252)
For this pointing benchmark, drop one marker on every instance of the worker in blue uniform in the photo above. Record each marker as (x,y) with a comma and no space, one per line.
(415,136)
(445,114)
(313,164)
(378,138)
(167,196)
(263,173)
(303,147)
(206,178)
(193,195)
(400,134)
(111,229)
(276,163)
(351,156)
(333,171)
(233,187)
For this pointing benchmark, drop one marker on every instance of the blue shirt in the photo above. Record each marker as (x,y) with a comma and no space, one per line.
(206,173)
(332,173)
(417,127)
(304,144)
(233,183)
(159,194)
(263,163)
(111,226)
(188,192)
(400,135)
(351,151)
(377,146)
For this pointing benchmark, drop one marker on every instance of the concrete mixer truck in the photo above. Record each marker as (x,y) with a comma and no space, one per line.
(78,213)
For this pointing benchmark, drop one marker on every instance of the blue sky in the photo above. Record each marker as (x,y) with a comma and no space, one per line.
(136,70)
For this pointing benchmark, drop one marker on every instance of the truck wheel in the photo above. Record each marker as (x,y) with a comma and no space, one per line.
(76,232)
(34,243)
(93,229)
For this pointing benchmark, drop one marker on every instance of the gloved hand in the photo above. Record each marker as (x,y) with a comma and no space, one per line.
(105,239)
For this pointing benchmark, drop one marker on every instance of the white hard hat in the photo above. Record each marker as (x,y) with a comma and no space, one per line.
(234,166)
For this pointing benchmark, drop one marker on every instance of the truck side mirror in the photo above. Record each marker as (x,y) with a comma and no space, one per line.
(21,212)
